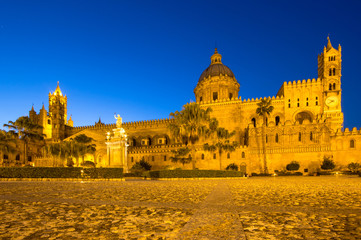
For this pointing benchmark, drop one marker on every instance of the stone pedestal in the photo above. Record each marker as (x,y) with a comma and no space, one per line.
(117,149)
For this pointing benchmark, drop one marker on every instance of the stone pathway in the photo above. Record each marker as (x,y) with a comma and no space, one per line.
(217,218)
(255,208)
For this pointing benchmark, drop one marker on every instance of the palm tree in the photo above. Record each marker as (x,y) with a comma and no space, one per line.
(264,110)
(7,143)
(190,125)
(84,146)
(181,155)
(222,144)
(27,132)
(78,147)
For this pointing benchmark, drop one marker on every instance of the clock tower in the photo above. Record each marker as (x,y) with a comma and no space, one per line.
(329,71)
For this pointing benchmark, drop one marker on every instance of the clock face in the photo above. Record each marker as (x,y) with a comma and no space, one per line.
(331,101)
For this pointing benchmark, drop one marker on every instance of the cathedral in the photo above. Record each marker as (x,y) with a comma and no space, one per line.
(306,124)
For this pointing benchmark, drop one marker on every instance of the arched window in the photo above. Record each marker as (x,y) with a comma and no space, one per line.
(254,122)
(243,155)
(334,71)
(311,136)
(277,120)
(165,158)
(215,96)
(316,101)
(330,72)
(17,157)
(266,138)
(152,158)
(132,159)
(202,156)
(334,86)
(49,122)
(299,137)
(352,143)
(5,157)
(266,121)
(276,138)
(230,95)
(228,155)
(330,86)
(214,156)
(201,99)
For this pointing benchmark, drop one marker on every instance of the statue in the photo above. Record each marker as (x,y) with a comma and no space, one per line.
(119,120)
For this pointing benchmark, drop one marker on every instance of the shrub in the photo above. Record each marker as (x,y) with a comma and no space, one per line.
(261,174)
(290,174)
(141,166)
(293,166)
(232,167)
(145,165)
(88,164)
(69,163)
(354,167)
(328,164)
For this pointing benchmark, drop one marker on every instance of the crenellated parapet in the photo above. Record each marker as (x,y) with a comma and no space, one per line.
(348,132)
(97,126)
(147,123)
(125,125)
(299,84)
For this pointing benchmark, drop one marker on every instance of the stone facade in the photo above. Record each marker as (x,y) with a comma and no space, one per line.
(306,124)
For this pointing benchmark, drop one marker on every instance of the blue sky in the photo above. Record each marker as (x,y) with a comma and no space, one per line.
(142,59)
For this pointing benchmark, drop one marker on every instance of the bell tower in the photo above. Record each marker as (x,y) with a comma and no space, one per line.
(58,113)
(329,71)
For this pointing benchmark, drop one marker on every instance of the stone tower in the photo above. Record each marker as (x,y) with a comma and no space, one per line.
(58,113)
(329,71)
(217,82)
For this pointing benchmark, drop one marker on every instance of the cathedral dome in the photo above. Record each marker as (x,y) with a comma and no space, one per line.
(216,82)
(216,68)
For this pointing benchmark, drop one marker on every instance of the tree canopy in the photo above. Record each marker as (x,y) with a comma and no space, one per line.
(190,125)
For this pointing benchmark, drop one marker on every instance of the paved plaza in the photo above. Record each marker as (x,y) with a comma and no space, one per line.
(254,208)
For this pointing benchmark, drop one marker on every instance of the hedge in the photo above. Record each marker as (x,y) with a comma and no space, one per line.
(194,174)
(60,172)
(289,174)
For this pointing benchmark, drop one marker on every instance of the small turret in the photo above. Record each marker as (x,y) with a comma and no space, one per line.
(70,122)
(32,115)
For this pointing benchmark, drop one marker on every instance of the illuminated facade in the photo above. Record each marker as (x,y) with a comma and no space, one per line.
(306,124)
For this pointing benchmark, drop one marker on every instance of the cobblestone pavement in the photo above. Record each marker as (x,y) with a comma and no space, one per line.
(254,208)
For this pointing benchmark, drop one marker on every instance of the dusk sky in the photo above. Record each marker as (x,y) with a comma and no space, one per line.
(142,59)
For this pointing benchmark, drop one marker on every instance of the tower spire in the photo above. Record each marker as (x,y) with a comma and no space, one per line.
(329,45)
